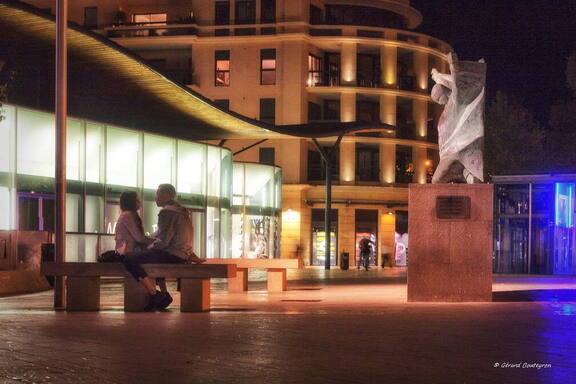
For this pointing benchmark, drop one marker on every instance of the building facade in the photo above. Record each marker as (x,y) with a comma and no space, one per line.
(289,62)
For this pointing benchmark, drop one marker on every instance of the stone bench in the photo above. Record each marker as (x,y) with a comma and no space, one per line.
(276,269)
(83,283)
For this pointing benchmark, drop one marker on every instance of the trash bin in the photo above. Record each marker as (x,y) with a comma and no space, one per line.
(47,254)
(386,260)
(344,260)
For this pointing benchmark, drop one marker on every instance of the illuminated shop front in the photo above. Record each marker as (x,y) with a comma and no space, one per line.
(256,210)
(102,162)
(534,224)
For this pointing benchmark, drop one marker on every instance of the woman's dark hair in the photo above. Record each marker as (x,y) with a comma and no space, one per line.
(128,201)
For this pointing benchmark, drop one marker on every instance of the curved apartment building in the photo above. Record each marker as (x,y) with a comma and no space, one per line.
(292,62)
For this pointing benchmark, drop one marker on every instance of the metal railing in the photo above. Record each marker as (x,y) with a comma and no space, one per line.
(147,30)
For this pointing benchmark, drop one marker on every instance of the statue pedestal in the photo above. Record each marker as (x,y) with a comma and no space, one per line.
(450,245)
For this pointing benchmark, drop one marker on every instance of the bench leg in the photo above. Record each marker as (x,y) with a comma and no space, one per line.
(82,294)
(240,282)
(135,295)
(276,279)
(195,295)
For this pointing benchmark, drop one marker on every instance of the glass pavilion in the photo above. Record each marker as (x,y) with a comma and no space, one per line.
(102,162)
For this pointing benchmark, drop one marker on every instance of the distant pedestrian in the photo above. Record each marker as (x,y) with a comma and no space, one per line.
(365,251)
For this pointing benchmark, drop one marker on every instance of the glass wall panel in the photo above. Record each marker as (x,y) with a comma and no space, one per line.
(111,213)
(5,209)
(239,211)
(93,218)
(259,189)
(199,222)
(74,212)
(122,157)
(277,188)
(151,210)
(74,150)
(511,229)
(255,219)
(191,168)
(7,133)
(213,202)
(226,204)
(564,252)
(94,153)
(159,160)
(542,228)
(35,143)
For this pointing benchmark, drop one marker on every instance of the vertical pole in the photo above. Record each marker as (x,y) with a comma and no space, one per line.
(61,112)
(328,210)
(529,255)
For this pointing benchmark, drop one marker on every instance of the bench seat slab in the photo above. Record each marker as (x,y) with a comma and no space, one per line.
(194,295)
(82,294)
(240,282)
(276,279)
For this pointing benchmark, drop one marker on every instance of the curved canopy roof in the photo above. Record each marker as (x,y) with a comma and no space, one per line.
(109,84)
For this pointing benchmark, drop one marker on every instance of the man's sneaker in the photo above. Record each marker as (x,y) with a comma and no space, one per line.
(159,301)
(151,306)
(163,300)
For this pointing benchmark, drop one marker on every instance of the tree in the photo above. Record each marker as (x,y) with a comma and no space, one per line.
(571,72)
(562,143)
(6,77)
(514,140)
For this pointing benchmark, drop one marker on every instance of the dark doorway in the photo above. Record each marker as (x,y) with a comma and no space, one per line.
(367,228)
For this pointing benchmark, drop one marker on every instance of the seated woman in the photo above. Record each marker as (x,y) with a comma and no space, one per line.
(130,237)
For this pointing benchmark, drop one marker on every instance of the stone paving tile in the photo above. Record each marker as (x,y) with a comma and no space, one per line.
(335,327)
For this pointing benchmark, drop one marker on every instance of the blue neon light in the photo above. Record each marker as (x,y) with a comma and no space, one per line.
(564,205)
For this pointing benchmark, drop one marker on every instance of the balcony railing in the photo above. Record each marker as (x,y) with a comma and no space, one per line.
(404,83)
(150,30)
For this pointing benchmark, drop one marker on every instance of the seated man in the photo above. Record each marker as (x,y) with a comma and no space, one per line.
(172,245)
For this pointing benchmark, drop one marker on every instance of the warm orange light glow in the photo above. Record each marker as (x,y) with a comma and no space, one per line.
(291,216)
(428,163)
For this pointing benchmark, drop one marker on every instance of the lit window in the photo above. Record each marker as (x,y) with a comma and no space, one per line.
(314,71)
(150,18)
(268,67)
(222,78)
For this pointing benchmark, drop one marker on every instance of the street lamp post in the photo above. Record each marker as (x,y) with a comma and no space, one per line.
(61,113)
(328,157)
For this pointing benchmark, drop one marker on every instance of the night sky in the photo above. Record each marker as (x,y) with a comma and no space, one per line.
(524,42)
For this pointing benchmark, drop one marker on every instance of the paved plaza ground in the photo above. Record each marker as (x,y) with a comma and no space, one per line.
(330,327)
